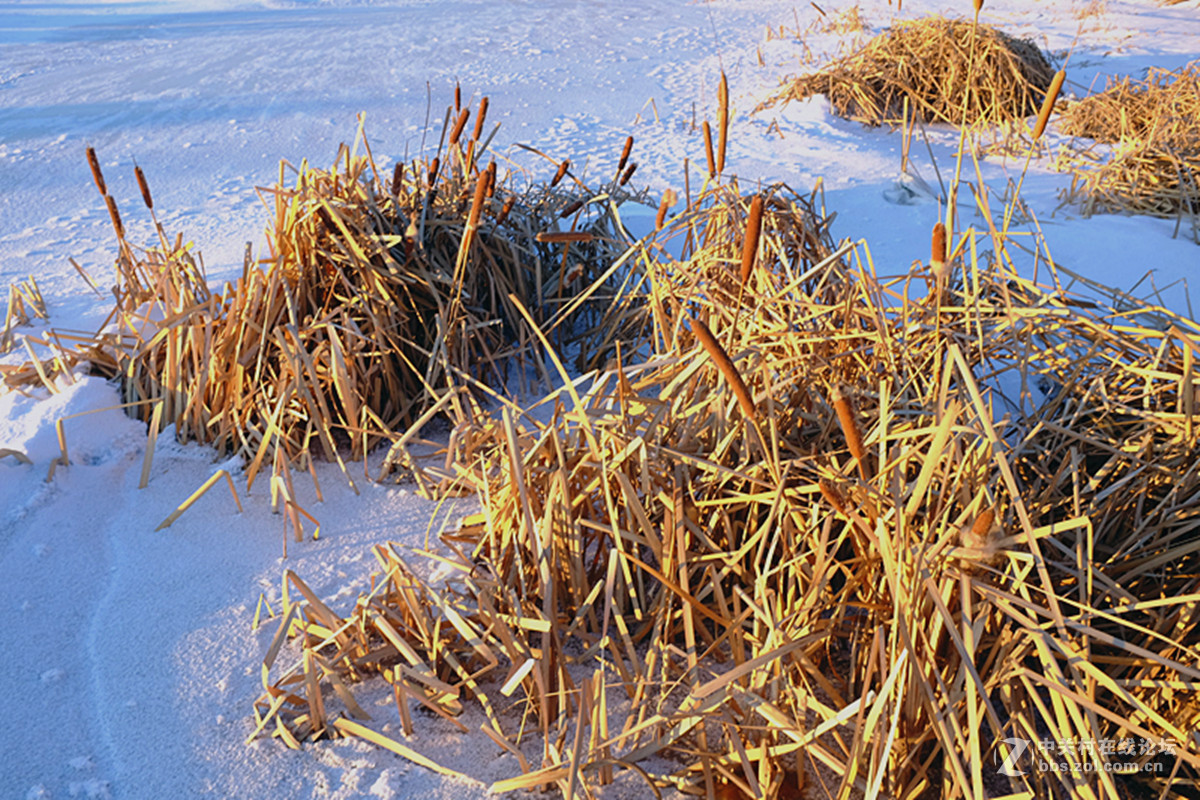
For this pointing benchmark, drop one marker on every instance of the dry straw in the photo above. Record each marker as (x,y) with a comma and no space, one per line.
(948,70)
(862,601)
(375,302)
(1154,163)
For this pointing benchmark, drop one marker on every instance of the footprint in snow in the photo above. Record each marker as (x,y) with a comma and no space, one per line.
(53,676)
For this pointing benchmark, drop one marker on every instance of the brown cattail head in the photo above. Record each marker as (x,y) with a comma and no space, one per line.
(845,415)
(1048,103)
(753,230)
(625,154)
(397,178)
(708,150)
(725,365)
(434,166)
(483,107)
(563,237)
(562,170)
(669,199)
(571,209)
(459,124)
(491,179)
(937,251)
(628,173)
(457,96)
(97,175)
(722,120)
(506,209)
(115,216)
(983,523)
(481,187)
(832,495)
(978,6)
(141,182)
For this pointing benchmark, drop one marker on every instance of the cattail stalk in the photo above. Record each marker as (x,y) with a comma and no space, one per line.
(625,176)
(669,199)
(563,166)
(846,419)
(483,109)
(753,231)
(563,237)
(726,367)
(459,124)
(397,178)
(937,251)
(145,187)
(97,175)
(625,154)
(1048,104)
(722,120)
(983,523)
(115,216)
(708,150)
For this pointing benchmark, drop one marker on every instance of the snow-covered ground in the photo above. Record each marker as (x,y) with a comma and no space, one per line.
(127,660)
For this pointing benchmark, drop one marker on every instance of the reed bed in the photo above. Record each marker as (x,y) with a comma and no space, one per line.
(380,292)
(1154,166)
(947,70)
(816,534)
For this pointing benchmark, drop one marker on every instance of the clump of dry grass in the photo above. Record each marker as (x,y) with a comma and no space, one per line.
(24,299)
(1154,167)
(378,296)
(949,70)
(796,532)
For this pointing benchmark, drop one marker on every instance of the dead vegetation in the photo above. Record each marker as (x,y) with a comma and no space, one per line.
(819,520)
(948,70)
(377,292)
(1154,164)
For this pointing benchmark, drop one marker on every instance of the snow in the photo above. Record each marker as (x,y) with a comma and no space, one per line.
(127,659)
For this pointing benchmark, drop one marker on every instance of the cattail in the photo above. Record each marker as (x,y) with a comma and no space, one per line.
(434,166)
(397,178)
(937,252)
(723,120)
(668,199)
(506,209)
(708,150)
(97,175)
(978,7)
(625,154)
(571,209)
(141,182)
(726,367)
(562,170)
(491,179)
(832,495)
(476,205)
(1048,103)
(115,216)
(632,168)
(849,425)
(563,237)
(983,523)
(457,96)
(483,107)
(753,230)
(459,124)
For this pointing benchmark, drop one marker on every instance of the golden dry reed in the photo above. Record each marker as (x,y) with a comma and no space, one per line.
(722,121)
